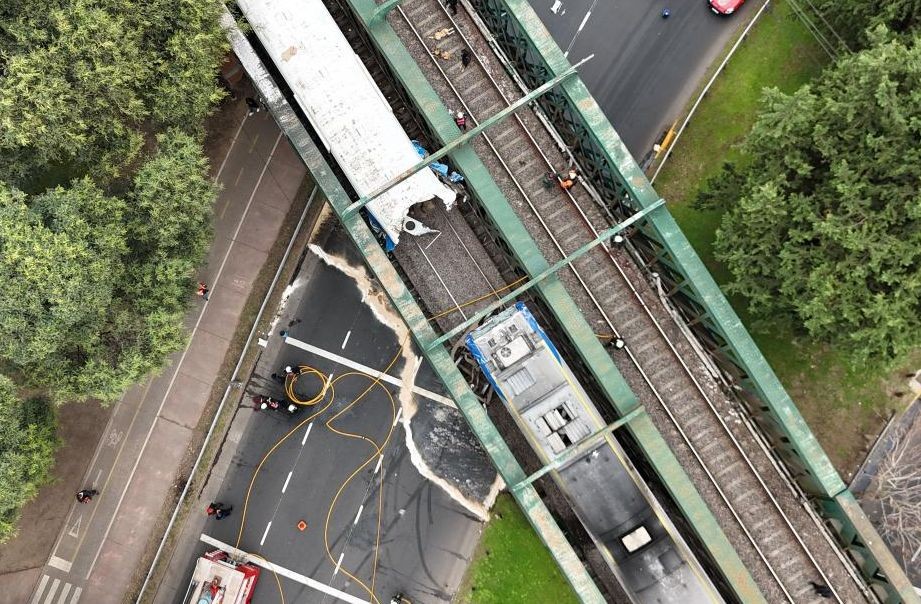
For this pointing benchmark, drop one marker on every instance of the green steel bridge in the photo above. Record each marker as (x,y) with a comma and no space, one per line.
(759,498)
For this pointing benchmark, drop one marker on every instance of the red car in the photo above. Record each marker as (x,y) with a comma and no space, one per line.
(725,7)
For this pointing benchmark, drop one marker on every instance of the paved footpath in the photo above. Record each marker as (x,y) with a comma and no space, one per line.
(136,464)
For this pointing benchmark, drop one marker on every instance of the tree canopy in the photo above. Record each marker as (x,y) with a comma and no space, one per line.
(83,81)
(27,444)
(854,19)
(823,220)
(97,284)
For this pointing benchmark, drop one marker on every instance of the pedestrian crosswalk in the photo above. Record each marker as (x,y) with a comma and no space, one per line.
(58,592)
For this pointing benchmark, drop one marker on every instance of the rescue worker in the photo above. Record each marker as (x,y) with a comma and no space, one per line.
(461,120)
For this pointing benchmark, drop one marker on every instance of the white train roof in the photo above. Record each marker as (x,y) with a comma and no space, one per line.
(344,105)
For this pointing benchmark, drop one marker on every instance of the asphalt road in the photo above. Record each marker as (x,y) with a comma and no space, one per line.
(645,68)
(426,538)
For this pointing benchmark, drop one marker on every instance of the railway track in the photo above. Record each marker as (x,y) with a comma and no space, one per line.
(766,518)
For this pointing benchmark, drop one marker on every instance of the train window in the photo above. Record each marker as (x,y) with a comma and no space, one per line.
(636,539)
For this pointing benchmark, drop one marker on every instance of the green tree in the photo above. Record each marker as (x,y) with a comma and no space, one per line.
(75,98)
(27,446)
(60,255)
(82,82)
(854,19)
(823,220)
(96,286)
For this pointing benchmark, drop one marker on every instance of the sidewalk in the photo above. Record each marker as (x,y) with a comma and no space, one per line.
(138,461)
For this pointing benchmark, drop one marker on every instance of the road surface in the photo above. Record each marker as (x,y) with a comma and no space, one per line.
(426,538)
(645,67)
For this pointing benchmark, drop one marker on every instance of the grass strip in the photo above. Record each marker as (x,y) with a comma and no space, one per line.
(511,564)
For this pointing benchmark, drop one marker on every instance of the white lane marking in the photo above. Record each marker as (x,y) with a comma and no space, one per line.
(329,378)
(60,563)
(52,591)
(339,564)
(287,480)
(98,476)
(380,460)
(281,570)
(581,26)
(384,377)
(307,433)
(396,420)
(265,534)
(185,352)
(346,340)
(76,597)
(40,590)
(232,143)
(64,593)
(361,508)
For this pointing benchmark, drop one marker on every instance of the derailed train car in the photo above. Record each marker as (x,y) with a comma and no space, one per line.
(564,428)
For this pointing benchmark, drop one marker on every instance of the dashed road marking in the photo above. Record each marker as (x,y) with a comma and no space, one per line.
(307,433)
(287,480)
(265,534)
(346,340)
(339,564)
(361,508)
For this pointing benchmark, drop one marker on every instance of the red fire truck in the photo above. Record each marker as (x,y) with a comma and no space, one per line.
(219,580)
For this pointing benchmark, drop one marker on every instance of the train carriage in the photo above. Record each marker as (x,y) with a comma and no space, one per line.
(565,429)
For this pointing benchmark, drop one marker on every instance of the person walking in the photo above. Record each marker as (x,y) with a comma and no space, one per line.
(465,58)
(461,120)
(253,105)
(86,495)
(202,290)
(452,5)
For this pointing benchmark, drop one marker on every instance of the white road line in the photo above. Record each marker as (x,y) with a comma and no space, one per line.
(281,570)
(265,534)
(581,25)
(380,460)
(346,340)
(361,508)
(52,591)
(40,590)
(307,433)
(60,563)
(329,378)
(396,420)
(384,377)
(339,564)
(287,480)
(76,596)
(185,352)
(64,593)
(98,476)
(232,143)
